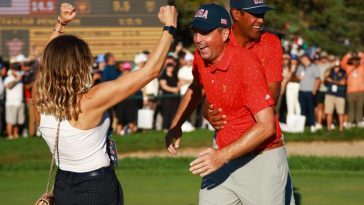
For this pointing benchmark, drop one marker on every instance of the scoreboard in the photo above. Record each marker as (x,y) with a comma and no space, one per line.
(122,27)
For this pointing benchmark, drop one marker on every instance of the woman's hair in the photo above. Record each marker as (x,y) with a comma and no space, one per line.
(64,74)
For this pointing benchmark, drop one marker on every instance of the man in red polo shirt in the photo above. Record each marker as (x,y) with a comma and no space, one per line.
(248,17)
(244,168)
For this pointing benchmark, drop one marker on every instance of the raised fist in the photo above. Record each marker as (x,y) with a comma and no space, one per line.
(67,13)
(168,15)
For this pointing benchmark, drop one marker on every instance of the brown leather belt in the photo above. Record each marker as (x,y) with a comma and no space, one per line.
(276,145)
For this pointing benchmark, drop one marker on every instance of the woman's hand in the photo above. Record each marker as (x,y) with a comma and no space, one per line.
(168,15)
(67,13)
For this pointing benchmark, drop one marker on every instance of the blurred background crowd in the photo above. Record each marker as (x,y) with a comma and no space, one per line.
(323,90)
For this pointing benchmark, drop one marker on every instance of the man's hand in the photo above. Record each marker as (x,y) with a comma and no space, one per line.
(67,13)
(179,47)
(214,116)
(314,92)
(208,161)
(168,15)
(173,138)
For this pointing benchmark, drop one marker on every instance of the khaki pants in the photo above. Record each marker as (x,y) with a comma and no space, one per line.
(255,179)
(334,103)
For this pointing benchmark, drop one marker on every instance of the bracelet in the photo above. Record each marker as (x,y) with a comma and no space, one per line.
(171,29)
(59,30)
(59,21)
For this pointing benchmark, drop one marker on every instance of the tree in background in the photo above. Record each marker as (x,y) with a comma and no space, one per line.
(334,25)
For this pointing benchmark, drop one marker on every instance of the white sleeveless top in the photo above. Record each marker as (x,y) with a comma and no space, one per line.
(79,150)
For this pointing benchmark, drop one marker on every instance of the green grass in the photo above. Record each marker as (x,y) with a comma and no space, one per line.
(202,137)
(25,149)
(321,135)
(24,165)
(163,181)
(35,148)
(154,140)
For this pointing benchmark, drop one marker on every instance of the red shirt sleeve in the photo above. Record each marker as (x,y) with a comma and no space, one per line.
(195,72)
(274,55)
(255,92)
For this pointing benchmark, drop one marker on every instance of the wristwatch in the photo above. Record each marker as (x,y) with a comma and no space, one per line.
(171,29)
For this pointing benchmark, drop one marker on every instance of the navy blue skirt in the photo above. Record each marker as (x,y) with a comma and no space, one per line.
(98,187)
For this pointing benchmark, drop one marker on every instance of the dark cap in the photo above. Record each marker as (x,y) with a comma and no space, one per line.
(354,56)
(211,16)
(306,55)
(250,6)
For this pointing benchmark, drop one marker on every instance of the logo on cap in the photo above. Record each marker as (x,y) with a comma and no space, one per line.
(251,6)
(202,13)
(223,21)
(258,1)
(211,16)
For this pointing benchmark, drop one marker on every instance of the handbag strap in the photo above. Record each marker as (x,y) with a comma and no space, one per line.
(52,162)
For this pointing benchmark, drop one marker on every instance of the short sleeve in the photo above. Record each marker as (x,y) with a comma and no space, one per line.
(299,70)
(255,92)
(317,72)
(274,55)
(7,81)
(163,76)
(195,72)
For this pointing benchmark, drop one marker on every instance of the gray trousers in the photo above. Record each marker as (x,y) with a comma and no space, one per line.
(255,179)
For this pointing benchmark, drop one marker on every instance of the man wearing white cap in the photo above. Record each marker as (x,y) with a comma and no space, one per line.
(185,76)
(14,115)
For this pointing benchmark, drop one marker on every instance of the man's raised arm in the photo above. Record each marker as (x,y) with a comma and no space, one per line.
(189,102)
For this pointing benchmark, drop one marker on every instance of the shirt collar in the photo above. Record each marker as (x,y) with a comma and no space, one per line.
(225,61)
(235,42)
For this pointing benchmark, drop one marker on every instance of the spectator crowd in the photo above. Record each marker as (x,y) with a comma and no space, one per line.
(323,91)
(326,90)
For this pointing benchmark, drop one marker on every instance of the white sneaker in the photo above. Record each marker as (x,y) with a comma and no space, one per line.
(361,124)
(318,126)
(38,134)
(313,128)
(332,126)
(25,133)
(348,125)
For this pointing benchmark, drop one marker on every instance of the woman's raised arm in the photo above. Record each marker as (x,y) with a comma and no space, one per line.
(108,94)
(66,15)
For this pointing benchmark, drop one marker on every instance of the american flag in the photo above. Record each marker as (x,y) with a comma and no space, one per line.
(223,21)
(14,7)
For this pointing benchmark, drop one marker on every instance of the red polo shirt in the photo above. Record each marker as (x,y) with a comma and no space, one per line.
(269,51)
(236,84)
(270,54)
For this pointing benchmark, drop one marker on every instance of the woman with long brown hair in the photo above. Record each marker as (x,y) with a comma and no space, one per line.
(68,107)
